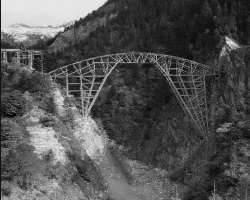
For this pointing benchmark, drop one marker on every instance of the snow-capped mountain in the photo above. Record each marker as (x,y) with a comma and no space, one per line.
(21,32)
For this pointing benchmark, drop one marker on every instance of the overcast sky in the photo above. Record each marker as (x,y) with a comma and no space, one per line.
(45,12)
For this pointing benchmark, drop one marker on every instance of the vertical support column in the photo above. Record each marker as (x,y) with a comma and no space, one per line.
(18,57)
(4,57)
(67,82)
(187,97)
(81,94)
(31,59)
(198,104)
(205,87)
(92,67)
(41,62)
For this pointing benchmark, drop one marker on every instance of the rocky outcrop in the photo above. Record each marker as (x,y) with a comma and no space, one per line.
(230,95)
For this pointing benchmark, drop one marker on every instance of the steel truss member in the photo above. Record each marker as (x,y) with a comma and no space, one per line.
(85,79)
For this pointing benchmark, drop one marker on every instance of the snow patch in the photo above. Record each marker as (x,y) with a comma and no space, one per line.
(226,127)
(21,32)
(230,45)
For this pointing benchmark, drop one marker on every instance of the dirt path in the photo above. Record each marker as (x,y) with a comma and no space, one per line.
(148,184)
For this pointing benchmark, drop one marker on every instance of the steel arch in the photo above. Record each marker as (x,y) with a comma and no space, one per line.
(85,79)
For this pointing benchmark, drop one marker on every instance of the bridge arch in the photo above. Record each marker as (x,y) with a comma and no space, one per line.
(85,79)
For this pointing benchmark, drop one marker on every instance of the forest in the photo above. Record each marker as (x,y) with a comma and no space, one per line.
(136,106)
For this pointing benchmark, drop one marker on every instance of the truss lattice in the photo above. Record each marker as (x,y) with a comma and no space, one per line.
(85,79)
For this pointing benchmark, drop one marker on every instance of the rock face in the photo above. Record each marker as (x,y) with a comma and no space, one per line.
(232,109)
(232,86)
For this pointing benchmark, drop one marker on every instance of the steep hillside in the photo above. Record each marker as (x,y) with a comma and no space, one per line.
(49,151)
(192,29)
(137,107)
(81,29)
(41,156)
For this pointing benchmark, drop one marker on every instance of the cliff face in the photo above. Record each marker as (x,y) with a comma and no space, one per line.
(233,81)
(223,159)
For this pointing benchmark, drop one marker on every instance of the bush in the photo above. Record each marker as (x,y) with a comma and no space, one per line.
(12,104)
(11,132)
(48,121)
(35,82)
(4,75)
(46,103)
(21,165)
(88,171)
(5,188)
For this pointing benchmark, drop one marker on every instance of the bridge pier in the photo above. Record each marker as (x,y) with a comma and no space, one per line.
(4,57)
(25,57)
(30,57)
(18,59)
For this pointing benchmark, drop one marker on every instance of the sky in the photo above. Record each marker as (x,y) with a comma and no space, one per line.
(45,12)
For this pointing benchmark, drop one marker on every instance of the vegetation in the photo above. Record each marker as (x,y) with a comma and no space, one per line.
(7,41)
(12,104)
(200,175)
(136,105)
(191,29)
(21,165)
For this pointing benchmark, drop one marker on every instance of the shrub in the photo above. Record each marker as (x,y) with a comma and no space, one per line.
(46,102)
(4,75)
(12,104)
(88,171)
(68,119)
(11,132)
(48,121)
(35,82)
(21,165)
(5,188)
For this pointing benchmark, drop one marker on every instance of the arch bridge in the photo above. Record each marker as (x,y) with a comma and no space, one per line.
(85,79)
